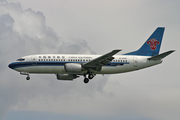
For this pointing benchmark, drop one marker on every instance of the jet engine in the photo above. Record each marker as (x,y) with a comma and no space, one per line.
(73,68)
(66,76)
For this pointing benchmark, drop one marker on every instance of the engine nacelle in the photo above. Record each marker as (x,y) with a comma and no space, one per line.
(66,76)
(73,68)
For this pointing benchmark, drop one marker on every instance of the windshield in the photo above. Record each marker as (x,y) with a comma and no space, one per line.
(20,59)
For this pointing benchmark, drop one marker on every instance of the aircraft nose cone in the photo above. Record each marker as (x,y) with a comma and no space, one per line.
(10,65)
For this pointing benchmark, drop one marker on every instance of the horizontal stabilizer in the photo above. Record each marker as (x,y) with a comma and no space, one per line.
(161,56)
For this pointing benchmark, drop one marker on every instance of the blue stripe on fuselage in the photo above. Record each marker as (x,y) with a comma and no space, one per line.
(55,63)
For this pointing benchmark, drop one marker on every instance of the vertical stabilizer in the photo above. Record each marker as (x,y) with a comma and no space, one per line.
(152,46)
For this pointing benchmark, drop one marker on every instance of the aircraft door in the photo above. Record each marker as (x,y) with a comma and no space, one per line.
(34,60)
(135,62)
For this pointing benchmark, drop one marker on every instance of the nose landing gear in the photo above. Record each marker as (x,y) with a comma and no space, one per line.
(28,78)
(24,73)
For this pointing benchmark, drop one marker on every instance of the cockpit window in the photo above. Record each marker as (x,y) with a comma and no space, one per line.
(20,59)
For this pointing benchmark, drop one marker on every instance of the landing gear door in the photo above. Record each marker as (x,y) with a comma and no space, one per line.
(34,60)
(135,62)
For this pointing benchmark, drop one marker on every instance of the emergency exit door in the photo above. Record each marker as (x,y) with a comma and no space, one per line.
(135,62)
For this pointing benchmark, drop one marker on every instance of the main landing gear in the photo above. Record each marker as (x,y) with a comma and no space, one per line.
(90,76)
(86,80)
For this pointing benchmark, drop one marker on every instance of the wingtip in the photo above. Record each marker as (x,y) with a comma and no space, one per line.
(172,51)
(117,50)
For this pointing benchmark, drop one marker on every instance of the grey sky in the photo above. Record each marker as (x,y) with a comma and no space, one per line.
(88,27)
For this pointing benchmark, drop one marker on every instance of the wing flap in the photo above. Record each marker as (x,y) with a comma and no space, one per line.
(107,60)
(101,61)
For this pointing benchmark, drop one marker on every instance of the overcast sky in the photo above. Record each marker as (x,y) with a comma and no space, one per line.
(89,27)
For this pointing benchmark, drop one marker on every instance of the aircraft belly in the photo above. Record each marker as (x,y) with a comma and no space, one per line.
(44,69)
(114,70)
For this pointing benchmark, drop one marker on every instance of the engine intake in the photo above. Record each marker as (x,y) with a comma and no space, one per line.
(73,68)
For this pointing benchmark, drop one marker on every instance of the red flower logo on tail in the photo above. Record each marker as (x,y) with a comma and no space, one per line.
(153,43)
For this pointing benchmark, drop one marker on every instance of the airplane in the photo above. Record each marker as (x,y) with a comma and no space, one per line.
(72,66)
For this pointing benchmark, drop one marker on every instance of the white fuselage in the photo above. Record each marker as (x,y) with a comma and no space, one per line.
(71,66)
(54,63)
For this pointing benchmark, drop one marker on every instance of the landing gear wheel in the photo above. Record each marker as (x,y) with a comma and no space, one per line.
(90,76)
(27,78)
(86,80)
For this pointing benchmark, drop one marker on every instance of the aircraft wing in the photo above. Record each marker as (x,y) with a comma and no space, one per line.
(97,63)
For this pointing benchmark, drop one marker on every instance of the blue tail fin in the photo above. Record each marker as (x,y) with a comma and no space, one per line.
(152,46)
